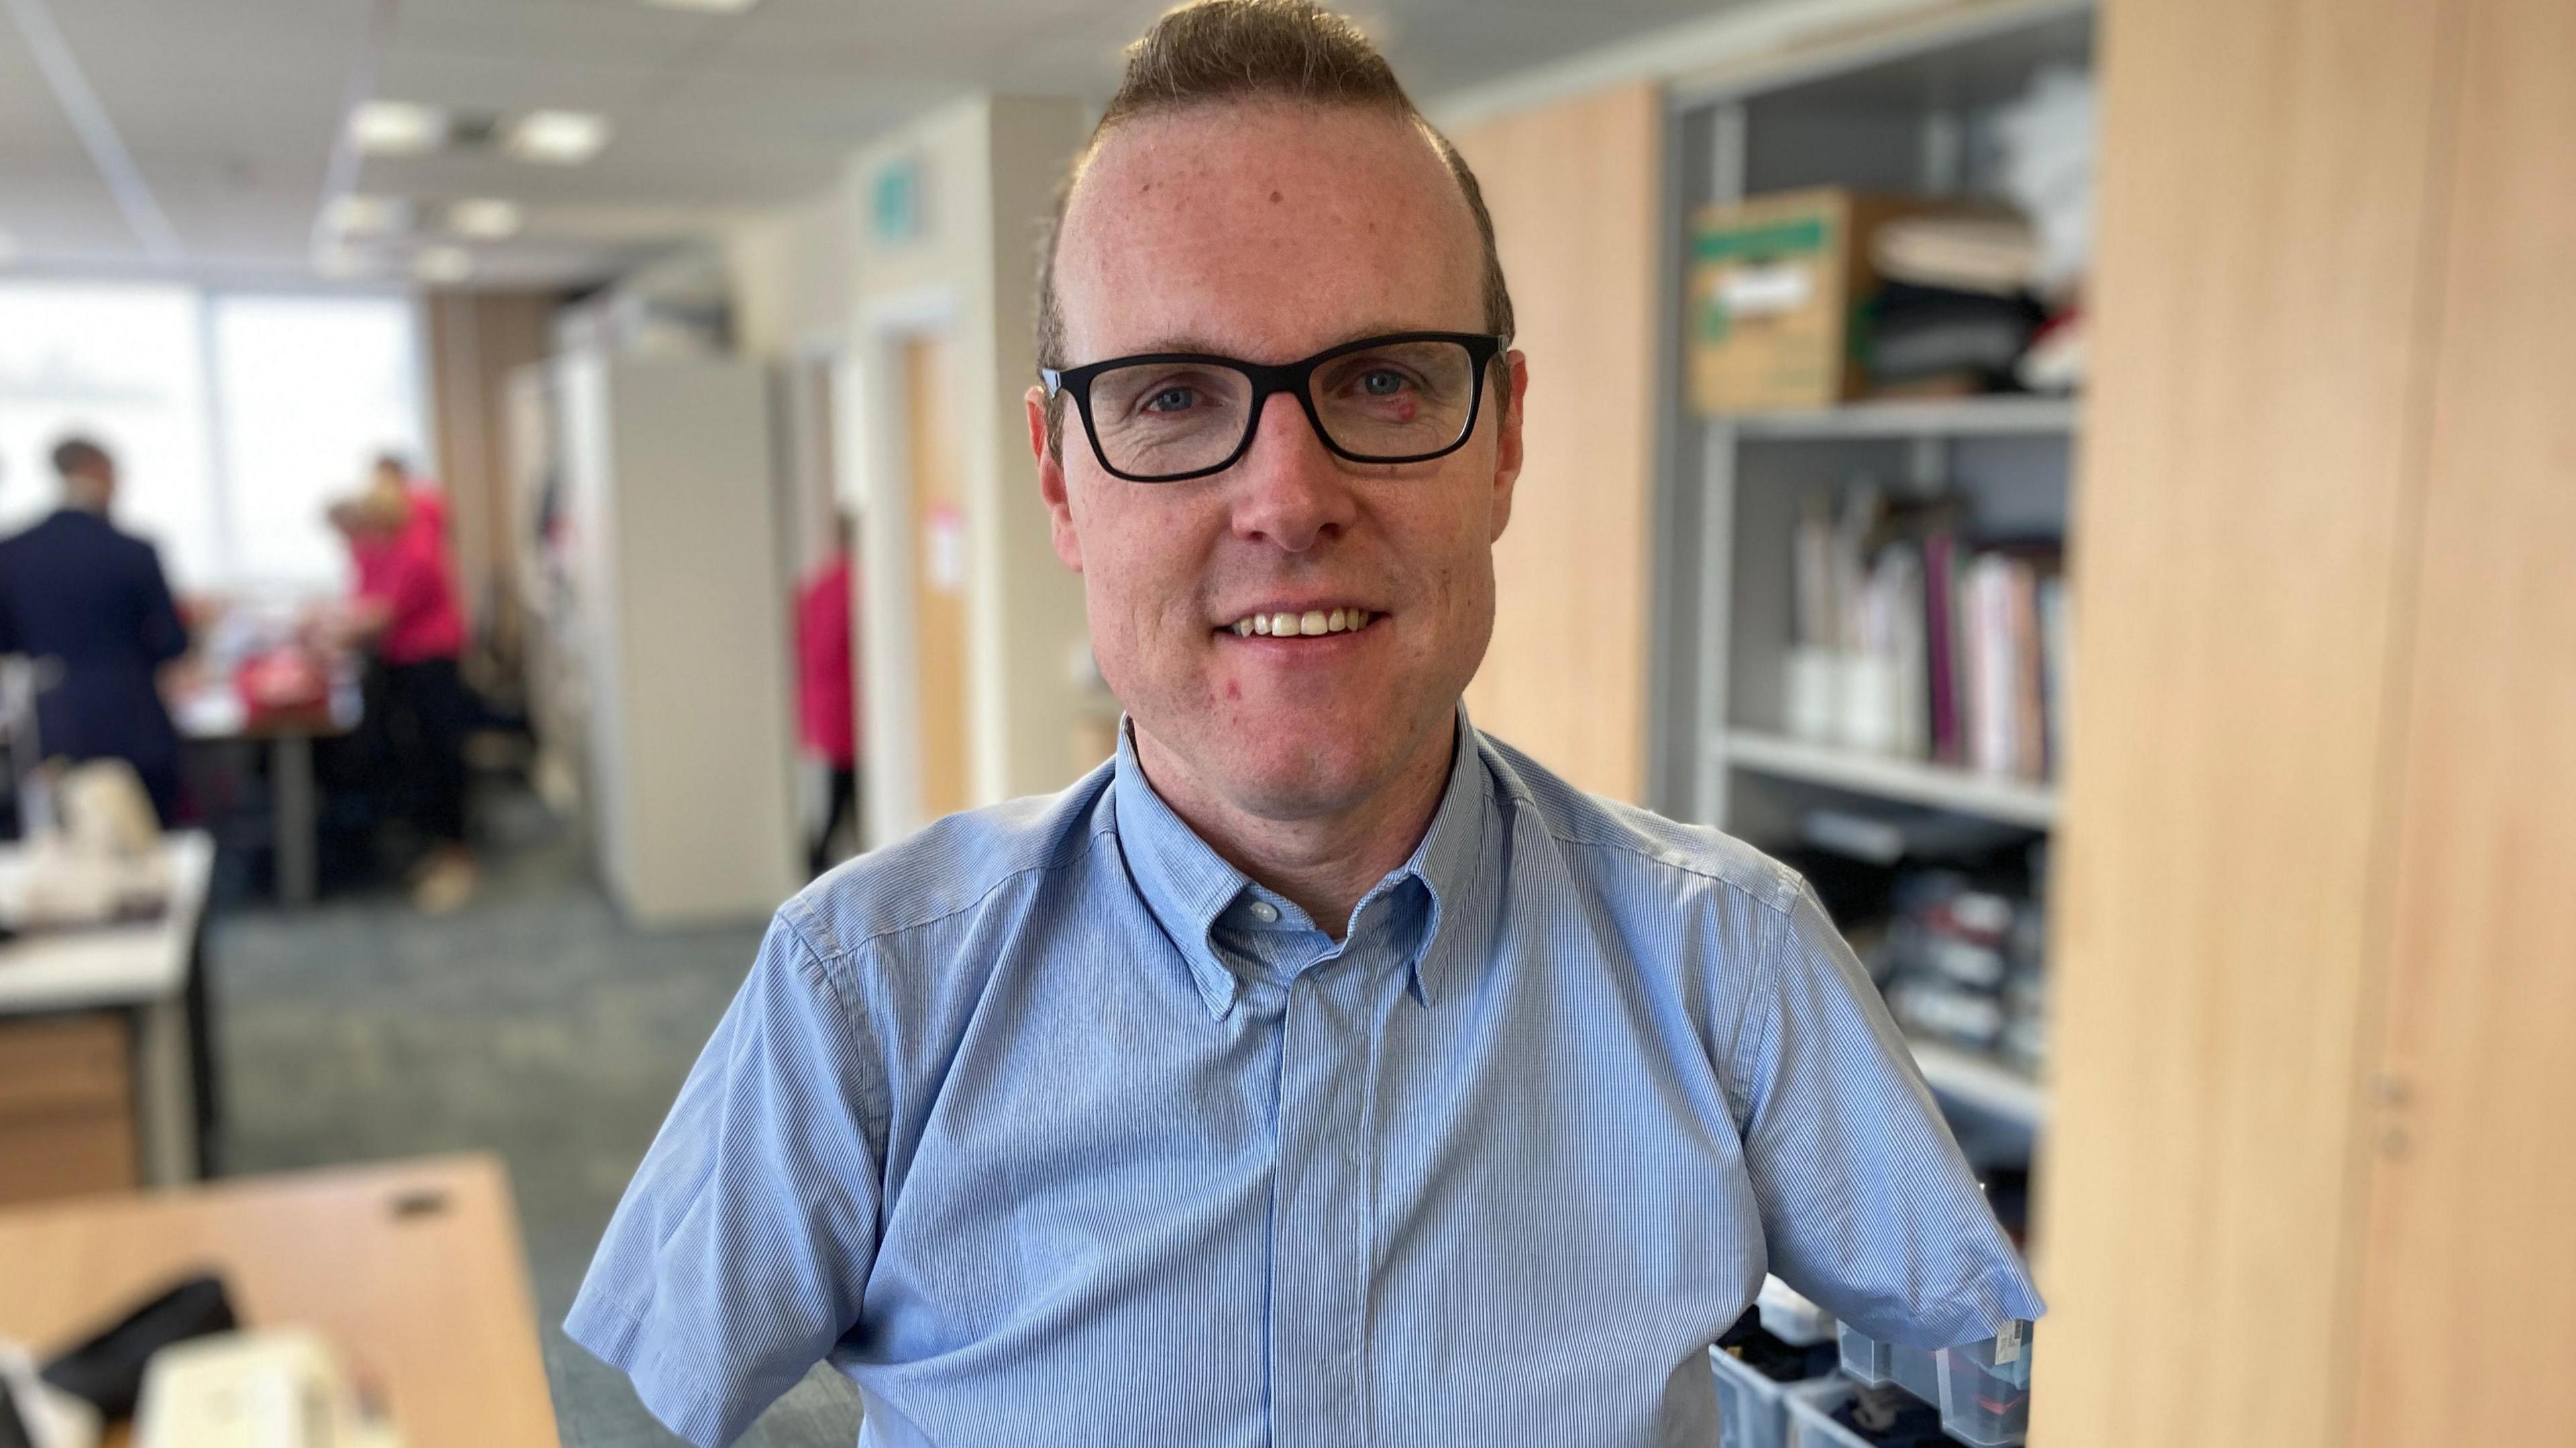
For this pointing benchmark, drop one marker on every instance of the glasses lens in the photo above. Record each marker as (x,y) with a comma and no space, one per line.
(1163,419)
(1399,400)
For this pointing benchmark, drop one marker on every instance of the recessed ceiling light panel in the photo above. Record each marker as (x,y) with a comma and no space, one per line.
(443,265)
(356,215)
(485,218)
(397,128)
(340,263)
(556,138)
(720,6)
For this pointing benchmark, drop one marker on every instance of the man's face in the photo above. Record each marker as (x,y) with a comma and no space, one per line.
(1270,232)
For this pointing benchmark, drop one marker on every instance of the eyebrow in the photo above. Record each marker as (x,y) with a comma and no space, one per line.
(1194,342)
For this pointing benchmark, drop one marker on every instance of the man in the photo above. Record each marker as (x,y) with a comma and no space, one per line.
(1319,1071)
(76,591)
(827,708)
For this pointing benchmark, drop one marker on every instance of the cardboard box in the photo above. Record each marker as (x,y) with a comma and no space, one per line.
(1777,287)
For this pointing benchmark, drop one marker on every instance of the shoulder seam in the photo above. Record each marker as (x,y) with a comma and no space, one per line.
(800,908)
(1787,892)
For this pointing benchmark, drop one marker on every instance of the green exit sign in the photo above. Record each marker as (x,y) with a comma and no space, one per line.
(894,201)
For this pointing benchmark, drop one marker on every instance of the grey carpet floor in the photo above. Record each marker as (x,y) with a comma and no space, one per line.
(534,1024)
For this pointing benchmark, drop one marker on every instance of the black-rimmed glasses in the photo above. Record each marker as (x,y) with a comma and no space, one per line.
(1164,417)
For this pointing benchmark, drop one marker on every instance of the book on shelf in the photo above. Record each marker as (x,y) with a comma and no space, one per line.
(1932,643)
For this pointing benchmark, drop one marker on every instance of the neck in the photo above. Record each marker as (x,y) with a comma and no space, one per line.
(1324,863)
(85,500)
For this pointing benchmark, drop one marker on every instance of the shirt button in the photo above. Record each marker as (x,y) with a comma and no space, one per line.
(1265,912)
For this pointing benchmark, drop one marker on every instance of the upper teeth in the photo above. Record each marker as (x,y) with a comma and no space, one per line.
(1312,621)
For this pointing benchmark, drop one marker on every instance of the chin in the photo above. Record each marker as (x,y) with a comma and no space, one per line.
(1297,775)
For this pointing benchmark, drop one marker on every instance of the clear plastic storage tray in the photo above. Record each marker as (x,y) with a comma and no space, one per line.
(1750,1406)
(1985,1389)
(1866,1358)
(1878,1363)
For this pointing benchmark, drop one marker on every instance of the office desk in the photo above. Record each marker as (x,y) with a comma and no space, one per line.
(413,1271)
(215,714)
(145,968)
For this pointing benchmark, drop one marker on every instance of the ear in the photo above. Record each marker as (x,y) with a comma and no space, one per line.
(1507,438)
(1051,486)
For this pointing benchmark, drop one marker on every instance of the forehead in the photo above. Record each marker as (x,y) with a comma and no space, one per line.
(1266,230)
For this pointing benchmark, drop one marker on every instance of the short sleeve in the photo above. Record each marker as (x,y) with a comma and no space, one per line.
(1869,1208)
(741,1251)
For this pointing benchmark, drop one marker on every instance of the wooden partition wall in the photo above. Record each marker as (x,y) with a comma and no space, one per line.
(2311,1166)
(1576,193)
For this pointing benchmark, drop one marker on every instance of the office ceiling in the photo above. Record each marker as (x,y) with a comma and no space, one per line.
(230,110)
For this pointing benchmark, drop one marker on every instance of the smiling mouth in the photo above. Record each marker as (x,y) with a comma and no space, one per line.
(1313,623)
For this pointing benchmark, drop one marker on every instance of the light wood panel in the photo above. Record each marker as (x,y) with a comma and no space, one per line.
(1575,190)
(67,1123)
(939,562)
(476,340)
(2468,1315)
(2266,230)
(413,1272)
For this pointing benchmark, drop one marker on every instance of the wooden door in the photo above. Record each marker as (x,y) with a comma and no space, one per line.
(2468,1311)
(938,572)
(2315,958)
(1576,192)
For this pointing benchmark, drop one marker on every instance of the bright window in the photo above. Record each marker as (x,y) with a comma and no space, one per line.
(233,416)
(310,390)
(124,365)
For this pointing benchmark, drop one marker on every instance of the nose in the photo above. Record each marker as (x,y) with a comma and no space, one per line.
(1289,490)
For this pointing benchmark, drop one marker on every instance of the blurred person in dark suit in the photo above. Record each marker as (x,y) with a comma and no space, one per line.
(93,600)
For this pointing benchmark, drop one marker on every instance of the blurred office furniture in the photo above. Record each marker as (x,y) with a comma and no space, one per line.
(219,712)
(67,1124)
(1576,188)
(1853,663)
(411,1271)
(664,643)
(2315,966)
(60,1067)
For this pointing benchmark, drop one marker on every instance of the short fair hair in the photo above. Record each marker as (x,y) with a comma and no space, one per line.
(1214,51)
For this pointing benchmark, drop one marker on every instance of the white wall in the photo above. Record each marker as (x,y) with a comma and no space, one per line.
(817,276)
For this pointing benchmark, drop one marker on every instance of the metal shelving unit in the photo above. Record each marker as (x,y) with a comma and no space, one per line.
(1899,113)
(1909,781)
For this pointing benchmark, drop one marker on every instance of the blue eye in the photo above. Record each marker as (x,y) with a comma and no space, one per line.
(1382,382)
(1171,399)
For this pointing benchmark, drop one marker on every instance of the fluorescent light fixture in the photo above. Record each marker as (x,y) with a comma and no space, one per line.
(557,138)
(485,218)
(720,6)
(339,262)
(446,265)
(356,215)
(397,128)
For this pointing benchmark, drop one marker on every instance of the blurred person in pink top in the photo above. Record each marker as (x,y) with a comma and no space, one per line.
(827,689)
(403,608)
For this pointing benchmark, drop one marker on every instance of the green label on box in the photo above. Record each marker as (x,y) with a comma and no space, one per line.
(1805,233)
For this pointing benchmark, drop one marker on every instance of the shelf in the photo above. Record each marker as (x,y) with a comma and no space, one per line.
(1939,786)
(1981,1082)
(1949,417)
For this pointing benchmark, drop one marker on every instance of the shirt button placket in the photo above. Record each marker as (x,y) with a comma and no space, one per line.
(1320,1290)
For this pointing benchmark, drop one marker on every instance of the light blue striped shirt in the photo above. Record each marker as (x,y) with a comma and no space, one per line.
(1047,1126)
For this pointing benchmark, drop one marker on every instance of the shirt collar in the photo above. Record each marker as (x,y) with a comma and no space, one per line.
(1187,885)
